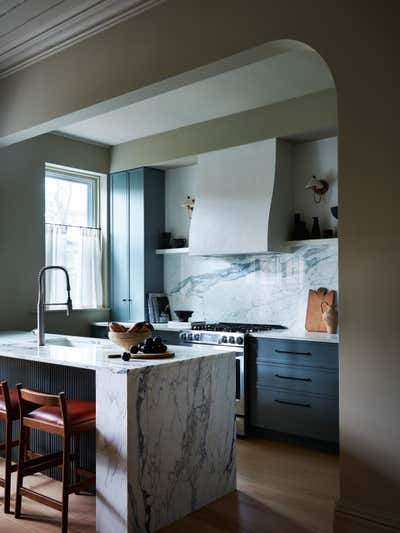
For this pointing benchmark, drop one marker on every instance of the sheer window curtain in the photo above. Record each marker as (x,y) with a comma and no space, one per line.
(79,251)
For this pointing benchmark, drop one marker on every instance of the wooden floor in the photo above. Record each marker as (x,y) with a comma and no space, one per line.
(281,489)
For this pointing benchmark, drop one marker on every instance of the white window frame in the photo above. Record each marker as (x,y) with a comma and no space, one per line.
(98,210)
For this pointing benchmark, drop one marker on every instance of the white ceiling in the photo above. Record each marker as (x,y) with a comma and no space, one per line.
(33,29)
(277,78)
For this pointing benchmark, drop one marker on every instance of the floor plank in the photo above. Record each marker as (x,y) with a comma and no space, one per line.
(281,489)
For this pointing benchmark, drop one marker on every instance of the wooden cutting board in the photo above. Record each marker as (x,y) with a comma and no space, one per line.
(141,355)
(314,320)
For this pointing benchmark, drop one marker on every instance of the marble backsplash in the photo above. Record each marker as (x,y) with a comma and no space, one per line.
(271,288)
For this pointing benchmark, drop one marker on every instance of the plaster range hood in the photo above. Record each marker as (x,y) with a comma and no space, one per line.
(243,200)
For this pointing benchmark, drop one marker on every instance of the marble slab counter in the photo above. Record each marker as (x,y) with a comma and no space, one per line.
(288,334)
(165,429)
(91,353)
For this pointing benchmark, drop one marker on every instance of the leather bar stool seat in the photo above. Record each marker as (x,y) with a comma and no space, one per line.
(80,412)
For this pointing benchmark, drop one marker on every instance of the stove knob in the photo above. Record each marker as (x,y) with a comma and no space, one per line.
(224,338)
(232,340)
(190,337)
(239,340)
(197,337)
(183,336)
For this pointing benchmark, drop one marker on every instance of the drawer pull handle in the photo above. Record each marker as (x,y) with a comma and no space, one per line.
(294,403)
(292,378)
(293,353)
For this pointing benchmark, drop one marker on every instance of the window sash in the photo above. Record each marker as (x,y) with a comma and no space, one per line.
(93,193)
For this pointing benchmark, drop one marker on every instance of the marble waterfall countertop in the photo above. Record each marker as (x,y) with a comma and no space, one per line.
(91,353)
(165,429)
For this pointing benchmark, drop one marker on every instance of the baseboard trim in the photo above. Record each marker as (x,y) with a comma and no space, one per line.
(349,519)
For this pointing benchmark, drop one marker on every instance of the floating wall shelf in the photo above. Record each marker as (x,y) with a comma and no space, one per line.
(166,251)
(289,244)
(313,242)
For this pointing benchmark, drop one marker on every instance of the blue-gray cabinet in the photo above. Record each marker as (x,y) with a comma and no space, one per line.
(294,387)
(137,215)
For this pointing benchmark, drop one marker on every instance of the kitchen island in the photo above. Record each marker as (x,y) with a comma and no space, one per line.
(165,429)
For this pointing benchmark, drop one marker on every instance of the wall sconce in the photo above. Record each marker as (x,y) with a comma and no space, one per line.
(319,188)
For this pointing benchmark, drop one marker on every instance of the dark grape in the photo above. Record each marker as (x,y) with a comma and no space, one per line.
(162,348)
(126,356)
(149,342)
(134,348)
(147,349)
(157,341)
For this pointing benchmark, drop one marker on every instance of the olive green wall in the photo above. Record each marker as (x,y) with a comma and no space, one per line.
(359,41)
(22,232)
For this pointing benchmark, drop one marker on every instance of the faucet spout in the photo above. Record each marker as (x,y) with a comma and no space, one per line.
(41,303)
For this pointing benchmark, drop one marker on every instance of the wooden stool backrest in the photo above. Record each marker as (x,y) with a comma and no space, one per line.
(29,400)
(6,395)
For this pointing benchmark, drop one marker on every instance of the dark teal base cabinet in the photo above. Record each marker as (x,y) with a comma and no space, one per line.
(137,217)
(293,388)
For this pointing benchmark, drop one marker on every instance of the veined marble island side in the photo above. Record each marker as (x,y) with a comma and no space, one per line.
(165,443)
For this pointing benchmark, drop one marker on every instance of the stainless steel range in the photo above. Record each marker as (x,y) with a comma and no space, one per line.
(230,335)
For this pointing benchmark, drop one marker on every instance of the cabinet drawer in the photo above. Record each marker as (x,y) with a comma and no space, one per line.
(295,378)
(305,353)
(298,414)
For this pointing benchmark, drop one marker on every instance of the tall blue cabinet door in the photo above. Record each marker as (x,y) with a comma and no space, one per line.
(119,246)
(146,222)
(136,248)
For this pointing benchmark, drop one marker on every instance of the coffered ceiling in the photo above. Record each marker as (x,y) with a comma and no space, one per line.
(33,29)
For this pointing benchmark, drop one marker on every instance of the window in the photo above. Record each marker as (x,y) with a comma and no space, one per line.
(73,239)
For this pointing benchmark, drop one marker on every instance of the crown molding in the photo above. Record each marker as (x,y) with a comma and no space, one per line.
(61,35)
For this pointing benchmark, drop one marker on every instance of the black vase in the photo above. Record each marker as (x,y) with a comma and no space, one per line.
(300,231)
(315,231)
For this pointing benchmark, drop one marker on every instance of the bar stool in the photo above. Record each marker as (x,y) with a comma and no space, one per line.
(9,413)
(53,414)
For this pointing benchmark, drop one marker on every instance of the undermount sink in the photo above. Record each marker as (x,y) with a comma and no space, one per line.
(67,342)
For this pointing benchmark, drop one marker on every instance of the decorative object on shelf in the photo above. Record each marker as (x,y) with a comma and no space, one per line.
(158,304)
(164,318)
(178,243)
(315,230)
(319,188)
(329,316)
(300,231)
(334,211)
(314,320)
(164,240)
(189,206)
(183,315)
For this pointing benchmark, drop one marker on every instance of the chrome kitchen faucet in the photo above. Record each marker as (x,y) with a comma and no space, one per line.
(41,303)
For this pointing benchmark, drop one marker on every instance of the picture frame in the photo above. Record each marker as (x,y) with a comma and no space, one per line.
(158,303)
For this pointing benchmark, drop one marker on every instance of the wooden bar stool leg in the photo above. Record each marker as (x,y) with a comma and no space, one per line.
(77,452)
(7,477)
(21,461)
(27,443)
(65,483)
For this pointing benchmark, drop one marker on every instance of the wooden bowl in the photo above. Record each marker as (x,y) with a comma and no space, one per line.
(125,340)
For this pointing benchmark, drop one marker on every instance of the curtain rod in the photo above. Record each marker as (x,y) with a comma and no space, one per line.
(72,226)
